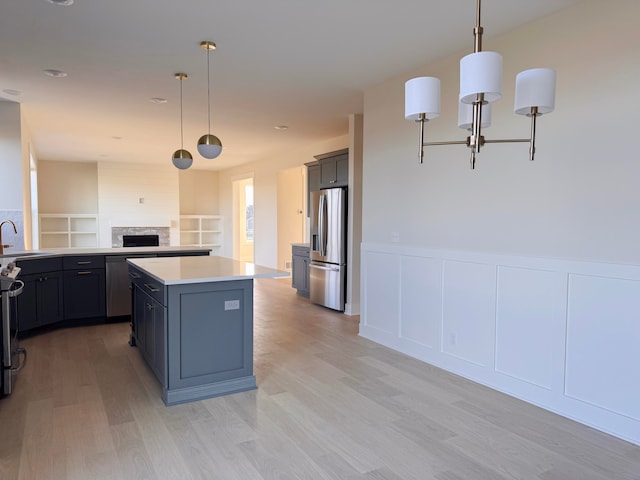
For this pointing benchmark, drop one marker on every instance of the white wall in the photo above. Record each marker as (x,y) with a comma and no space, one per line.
(67,187)
(12,191)
(199,192)
(577,200)
(465,311)
(120,188)
(11,148)
(265,175)
(292,212)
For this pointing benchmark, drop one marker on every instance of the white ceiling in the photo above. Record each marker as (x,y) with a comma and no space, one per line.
(279,62)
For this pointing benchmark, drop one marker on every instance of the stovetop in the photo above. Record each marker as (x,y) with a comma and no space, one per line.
(8,274)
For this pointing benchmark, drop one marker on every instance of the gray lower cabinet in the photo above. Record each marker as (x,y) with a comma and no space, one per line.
(68,287)
(150,323)
(41,301)
(196,337)
(300,269)
(84,287)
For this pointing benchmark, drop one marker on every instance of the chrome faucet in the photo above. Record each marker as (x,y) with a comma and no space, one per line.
(15,230)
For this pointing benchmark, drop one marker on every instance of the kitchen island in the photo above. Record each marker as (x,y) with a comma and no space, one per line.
(193,323)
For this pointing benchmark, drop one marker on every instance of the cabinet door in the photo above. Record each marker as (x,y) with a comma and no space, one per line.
(138,316)
(334,171)
(28,303)
(328,174)
(158,321)
(342,170)
(297,272)
(305,277)
(84,294)
(50,298)
(41,300)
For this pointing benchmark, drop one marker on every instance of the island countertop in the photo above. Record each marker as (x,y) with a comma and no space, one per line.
(185,270)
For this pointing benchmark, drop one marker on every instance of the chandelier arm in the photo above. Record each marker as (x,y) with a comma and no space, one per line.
(421,151)
(509,140)
(451,142)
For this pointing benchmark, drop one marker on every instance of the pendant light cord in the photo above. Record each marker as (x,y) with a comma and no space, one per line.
(209,89)
(181,127)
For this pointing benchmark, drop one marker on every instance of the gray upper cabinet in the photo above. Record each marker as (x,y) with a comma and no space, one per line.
(334,171)
(329,171)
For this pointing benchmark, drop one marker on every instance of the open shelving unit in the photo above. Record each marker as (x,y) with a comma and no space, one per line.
(68,231)
(201,231)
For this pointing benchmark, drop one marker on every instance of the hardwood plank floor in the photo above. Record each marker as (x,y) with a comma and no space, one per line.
(329,405)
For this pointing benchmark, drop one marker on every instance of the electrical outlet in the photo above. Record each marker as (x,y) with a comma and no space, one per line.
(452,339)
(287,265)
(395,237)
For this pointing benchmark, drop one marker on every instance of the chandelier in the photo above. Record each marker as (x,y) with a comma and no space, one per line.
(480,85)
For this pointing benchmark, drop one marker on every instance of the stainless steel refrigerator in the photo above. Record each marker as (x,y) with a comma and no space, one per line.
(328,248)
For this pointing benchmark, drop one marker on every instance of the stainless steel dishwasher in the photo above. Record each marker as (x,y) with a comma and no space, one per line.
(119,284)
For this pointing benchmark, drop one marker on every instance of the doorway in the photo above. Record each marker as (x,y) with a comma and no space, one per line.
(243,219)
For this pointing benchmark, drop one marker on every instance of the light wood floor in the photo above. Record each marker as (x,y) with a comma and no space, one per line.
(330,405)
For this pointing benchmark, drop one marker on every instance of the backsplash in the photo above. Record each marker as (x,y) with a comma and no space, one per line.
(8,237)
(163,233)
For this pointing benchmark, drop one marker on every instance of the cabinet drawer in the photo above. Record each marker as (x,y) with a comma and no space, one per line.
(148,285)
(39,265)
(82,262)
(300,251)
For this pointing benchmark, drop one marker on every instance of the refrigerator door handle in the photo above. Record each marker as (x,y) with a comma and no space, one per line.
(322,223)
(327,269)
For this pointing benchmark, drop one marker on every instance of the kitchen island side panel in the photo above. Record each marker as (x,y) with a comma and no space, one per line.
(210,336)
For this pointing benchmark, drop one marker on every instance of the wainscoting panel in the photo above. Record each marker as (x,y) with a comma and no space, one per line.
(383,286)
(530,324)
(603,343)
(468,304)
(421,301)
(561,334)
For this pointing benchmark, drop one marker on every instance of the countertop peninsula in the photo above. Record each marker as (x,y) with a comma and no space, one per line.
(187,270)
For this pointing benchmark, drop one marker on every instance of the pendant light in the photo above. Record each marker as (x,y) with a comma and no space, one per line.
(209,146)
(181,159)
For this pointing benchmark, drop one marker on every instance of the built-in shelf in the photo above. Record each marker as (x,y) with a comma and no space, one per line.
(201,231)
(68,231)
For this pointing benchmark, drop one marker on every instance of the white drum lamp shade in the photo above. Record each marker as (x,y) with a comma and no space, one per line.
(481,72)
(535,88)
(465,115)
(422,96)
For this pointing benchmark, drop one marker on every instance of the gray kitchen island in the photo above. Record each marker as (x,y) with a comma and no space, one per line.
(193,323)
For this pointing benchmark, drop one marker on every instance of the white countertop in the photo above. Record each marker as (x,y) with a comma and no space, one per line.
(23,254)
(12,256)
(184,270)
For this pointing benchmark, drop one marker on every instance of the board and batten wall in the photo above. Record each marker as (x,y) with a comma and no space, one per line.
(523,276)
(138,195)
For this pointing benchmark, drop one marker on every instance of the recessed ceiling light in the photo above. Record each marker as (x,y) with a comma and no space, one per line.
(9,91)
(158,100)
(281,127)
(64,3)
(51,72)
